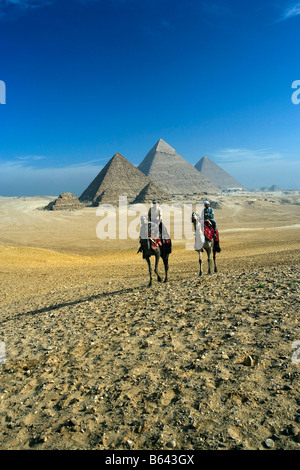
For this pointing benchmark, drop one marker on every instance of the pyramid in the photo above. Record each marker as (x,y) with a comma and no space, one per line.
(118,178)
(65,201)
(164,166)
(216,174)
(152,191)
(274,188)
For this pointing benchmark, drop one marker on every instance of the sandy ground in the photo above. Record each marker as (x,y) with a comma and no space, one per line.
(97,360)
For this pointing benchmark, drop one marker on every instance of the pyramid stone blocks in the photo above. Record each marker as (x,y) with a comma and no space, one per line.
(216,174)
(65,201)
(118,178)
(165,167)
(150,192)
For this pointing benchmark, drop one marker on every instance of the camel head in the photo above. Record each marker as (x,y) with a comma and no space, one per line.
(195,217)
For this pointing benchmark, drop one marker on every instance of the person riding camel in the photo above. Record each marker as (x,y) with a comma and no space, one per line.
(155,213)
(210,215)
(155,221)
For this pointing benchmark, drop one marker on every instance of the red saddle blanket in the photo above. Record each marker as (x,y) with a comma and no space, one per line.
(158,236)
(210,233)
(155,243)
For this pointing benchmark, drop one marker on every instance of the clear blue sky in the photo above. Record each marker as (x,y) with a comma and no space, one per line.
(88,78)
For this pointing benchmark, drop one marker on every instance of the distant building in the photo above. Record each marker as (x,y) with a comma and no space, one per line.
(233,190)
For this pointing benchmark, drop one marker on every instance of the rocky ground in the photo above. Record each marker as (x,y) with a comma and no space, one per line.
(97,360)
(192,364)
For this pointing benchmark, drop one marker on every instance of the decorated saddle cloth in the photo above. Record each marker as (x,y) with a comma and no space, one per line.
(209,232)
(154,236)
(159,237)
(165,239)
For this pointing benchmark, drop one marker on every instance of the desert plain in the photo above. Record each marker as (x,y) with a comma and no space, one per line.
(97,360)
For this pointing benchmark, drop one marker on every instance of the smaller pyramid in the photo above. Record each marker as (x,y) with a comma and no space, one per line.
(118,178)
(65,201)
(274,188)
(152,191)
(217,175)
(271,189)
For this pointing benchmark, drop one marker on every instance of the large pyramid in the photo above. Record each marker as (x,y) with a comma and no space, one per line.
(165,167)
(118,178)
(216,174)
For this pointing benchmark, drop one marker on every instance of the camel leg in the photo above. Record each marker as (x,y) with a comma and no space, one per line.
(150,271)
(200,263)
(157,256)
(209,261)
(166,264)
(215,262)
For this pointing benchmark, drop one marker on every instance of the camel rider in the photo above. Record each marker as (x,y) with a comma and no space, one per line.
(155,219)
(209,214)
(155,214)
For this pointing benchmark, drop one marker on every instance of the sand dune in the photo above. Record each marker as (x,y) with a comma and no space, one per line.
(97,360)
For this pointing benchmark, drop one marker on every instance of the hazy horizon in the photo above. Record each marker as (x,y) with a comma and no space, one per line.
(76,178)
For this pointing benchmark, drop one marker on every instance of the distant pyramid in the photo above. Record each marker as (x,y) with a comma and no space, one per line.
(152,191)
(118,178)
(65,201)
(172,172)
(274,188)
(271,189)
(216,174)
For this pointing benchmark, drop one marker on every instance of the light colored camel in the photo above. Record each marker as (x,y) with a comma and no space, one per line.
(203,243)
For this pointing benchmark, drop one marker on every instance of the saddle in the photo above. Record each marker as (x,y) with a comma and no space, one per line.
(154,235)
(158,237)
(211,234)
(208,230)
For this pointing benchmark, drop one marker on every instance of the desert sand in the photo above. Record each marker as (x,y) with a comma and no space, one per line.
(97,360)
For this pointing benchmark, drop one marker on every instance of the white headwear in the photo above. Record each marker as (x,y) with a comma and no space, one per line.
(206,202)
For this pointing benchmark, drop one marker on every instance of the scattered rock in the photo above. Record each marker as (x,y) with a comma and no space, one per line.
(172,444)
(248,361)
(269,443)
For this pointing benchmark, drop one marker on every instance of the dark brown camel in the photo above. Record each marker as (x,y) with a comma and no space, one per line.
(159,247)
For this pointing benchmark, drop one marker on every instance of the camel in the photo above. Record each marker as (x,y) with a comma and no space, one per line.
(210,246)
(160,247)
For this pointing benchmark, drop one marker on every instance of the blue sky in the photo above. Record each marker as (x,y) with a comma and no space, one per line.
(88,78)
